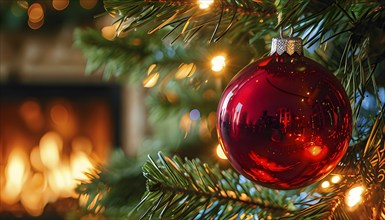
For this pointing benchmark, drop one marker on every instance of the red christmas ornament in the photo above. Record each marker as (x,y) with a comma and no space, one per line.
(284,121)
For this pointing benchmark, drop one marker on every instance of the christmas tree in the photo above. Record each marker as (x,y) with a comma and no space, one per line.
(185,53)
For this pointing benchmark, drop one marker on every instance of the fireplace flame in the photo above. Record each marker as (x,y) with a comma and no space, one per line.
(46,174)
(43,157)
(50,149)
(16,173)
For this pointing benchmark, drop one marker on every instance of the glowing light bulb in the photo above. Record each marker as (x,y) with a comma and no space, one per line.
(336,179)
(205,4)
(325,184)
(218,63)
(354,196)
(220,152)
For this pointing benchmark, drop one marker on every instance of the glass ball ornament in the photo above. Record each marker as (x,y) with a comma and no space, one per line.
(284,121)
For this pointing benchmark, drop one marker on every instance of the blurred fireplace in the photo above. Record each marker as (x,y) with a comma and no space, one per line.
(50,135)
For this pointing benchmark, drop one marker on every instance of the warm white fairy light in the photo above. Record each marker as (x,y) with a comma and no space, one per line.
(220,152)
(354,196)
(336,179)
(325,184)
(204,4)
(218,63)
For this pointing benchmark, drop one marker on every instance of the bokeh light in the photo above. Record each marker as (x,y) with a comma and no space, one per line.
(109,32)
(88,4)
(59,115)
(35,26)
(195,114)
(35,13)
(60,4)
(151,80)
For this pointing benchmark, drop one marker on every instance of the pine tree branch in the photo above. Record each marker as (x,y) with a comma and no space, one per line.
(188,18)
(105,191)
(192,190)
(373,156)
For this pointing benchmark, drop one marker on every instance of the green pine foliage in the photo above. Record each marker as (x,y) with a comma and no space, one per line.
(344,35)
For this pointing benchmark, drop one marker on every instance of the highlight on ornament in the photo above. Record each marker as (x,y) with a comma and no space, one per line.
(218,63)
(205,4)
(220,152)
(354,196)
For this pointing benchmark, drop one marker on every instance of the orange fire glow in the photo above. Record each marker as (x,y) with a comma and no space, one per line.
(43,156)
(16,173)
(45,175)
(50,148)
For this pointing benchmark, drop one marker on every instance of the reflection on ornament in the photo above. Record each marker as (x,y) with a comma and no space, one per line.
(220,152)
(284,121)
(315,151)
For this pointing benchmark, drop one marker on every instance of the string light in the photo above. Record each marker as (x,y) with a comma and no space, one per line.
(220,152)
(354,196)
(336,179)
(325,184)
(218,63)
(204,4)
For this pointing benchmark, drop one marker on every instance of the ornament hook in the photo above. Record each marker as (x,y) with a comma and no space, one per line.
(291,31)
(281,32)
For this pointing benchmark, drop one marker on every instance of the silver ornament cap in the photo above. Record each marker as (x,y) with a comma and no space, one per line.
(290,45)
